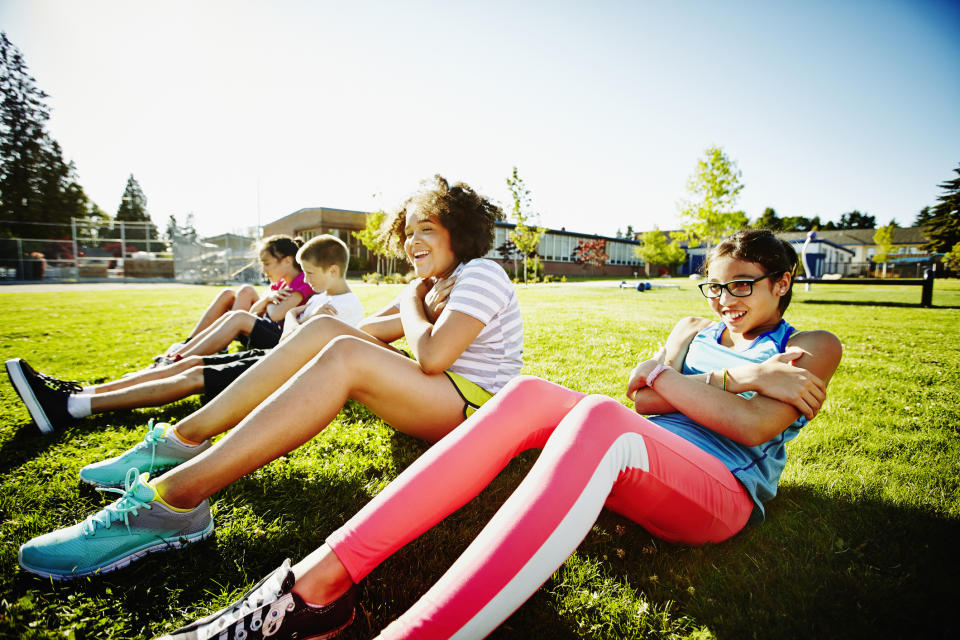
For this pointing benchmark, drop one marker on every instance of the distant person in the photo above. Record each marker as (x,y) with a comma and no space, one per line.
(461,321)
(262,325)
(57,403)
(728,395)
(245,297)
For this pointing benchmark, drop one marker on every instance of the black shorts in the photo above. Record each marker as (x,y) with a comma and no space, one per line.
(221,370)
(264,335)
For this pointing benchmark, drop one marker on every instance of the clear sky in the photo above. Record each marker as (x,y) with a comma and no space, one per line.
(238,110)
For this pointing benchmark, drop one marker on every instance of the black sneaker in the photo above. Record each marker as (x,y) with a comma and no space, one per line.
(44,396)
(271,610)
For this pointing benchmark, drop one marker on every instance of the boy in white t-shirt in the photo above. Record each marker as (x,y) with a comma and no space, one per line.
(324,261)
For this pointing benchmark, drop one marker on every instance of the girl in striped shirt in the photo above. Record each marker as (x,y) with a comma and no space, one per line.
(460,318)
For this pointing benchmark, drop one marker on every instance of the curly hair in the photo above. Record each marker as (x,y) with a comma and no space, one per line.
(760,246)
(468,216)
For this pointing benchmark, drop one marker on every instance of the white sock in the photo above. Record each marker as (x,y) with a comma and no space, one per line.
(79,406)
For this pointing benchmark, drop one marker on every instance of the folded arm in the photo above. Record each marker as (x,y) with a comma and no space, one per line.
(815,357)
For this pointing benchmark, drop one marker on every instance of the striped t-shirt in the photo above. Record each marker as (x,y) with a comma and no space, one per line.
(483,291)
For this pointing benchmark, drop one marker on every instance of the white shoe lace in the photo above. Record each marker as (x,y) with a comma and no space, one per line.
(271,591)
(151,439)
(119,510)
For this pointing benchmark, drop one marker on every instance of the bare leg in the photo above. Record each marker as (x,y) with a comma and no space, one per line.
(321,577)
(245,297)
(224,302)
(150,394)
(393,386)
(265,377)
(220,334)
(149,375)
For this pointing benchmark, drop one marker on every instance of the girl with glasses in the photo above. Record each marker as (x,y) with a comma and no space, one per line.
(724,398)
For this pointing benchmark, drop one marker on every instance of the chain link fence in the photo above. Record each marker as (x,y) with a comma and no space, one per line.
(122,251)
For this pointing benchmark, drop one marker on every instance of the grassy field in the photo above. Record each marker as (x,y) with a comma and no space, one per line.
(860,543)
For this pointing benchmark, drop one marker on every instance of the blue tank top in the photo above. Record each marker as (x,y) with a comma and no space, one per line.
(759,467)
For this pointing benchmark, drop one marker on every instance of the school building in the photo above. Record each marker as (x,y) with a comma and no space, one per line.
(556,249)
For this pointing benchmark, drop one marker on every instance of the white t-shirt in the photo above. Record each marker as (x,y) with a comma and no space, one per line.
(484,291)
(348,307)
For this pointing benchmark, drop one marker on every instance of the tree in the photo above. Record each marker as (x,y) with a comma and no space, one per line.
(883,238)
(856,220)
(36,184)
(952,258)
(133,208)
(923,216)
(525,237)
(373,238)
(592,253)
(655,250)
(716,186)
(943,227)
(768,220)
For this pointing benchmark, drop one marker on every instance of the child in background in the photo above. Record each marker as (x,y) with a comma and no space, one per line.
(50,401)
(263,323)
(728,396)
(272,252)
(466,338)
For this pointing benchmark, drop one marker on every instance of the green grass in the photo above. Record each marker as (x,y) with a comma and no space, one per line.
(859,543)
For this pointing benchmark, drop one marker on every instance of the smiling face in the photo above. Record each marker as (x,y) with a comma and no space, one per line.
(751,315)
(427,245)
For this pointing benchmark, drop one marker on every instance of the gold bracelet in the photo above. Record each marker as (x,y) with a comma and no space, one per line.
(724,387)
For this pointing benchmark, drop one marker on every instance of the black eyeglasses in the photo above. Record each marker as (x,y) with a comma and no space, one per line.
(736,288)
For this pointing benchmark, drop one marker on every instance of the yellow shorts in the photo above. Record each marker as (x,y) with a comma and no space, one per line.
(473,394)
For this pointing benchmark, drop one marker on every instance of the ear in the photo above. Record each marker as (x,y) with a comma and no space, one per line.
(782,285)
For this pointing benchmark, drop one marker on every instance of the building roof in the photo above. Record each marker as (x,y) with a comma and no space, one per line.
(564,232)
(901,235)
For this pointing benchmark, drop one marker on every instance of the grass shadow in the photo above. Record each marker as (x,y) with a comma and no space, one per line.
(27,441)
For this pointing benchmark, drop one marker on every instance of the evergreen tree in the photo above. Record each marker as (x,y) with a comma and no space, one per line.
(768,220)
(36,184)
(943,227)
(133,208)
(923,216)
(857,220)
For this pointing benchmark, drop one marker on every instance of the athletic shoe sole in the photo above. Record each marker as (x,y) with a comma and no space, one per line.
(25,391)
(120,563)
(333,633)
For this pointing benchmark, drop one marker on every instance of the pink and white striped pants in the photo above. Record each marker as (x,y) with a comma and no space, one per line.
(596,452)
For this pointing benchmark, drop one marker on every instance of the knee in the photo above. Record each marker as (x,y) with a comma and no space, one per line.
(246,295)
(320,330)
(194,378)
(225,298)
(525,389)
(595,413)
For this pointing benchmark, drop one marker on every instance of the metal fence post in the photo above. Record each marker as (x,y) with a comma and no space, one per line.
(926,297)
(76,254)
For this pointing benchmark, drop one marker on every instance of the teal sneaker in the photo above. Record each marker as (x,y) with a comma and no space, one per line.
(159,451)
(122,532)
